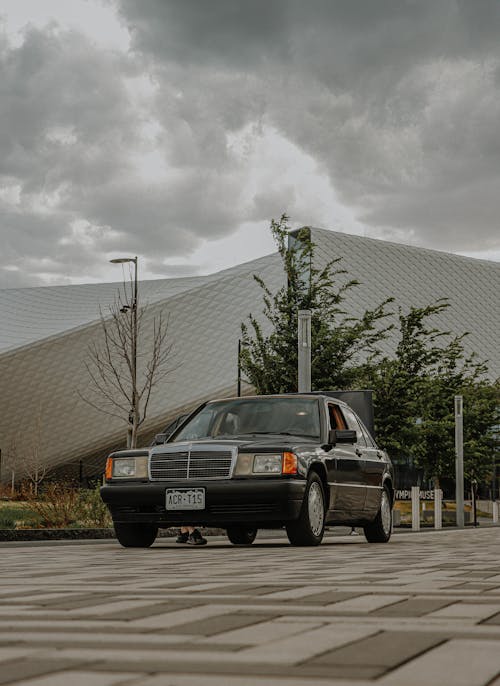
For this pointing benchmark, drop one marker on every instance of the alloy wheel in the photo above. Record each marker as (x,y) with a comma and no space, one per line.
(316,508)
(385,513)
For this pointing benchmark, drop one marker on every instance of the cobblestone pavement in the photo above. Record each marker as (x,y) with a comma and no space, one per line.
(424,609)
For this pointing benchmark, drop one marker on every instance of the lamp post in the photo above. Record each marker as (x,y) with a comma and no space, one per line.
(240,345)
(132,417)
(238,392)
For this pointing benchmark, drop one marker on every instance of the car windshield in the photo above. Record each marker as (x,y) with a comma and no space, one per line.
(254,416)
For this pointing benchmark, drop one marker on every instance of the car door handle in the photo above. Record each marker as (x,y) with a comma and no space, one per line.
(358,452)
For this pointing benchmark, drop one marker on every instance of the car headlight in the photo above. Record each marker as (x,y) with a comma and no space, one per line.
(249,464)
(128,467)
(124,466)
(267,464)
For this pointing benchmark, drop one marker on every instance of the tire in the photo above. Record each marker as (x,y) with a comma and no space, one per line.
(309,528)
(136,535)
(241,535)
(380,530)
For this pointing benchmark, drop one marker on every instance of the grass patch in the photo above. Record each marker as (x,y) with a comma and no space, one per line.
(17,515)
(59,506)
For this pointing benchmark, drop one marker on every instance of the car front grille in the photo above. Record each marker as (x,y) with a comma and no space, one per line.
(181,463)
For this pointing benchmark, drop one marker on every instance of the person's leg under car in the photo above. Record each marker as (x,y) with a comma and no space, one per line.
(190,535)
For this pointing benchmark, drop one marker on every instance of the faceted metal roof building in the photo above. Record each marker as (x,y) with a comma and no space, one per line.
(45,333)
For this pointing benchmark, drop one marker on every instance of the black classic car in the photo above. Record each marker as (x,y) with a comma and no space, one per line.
(299,461)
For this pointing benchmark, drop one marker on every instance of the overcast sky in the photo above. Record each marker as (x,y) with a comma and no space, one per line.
(175,129)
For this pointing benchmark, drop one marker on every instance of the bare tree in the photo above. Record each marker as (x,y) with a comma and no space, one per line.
(131,358)
(32,463)
(11,462)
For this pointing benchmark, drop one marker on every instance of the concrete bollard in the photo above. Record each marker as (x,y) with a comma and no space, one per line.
(438,508)
(415,508)
(495,511)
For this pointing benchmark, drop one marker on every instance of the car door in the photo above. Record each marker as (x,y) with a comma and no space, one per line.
(374,469)
(349,476)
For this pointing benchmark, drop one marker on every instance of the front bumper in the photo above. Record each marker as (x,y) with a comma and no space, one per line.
(260,502)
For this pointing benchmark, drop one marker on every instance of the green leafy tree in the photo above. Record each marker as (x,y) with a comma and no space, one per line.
(481,419)
(414,398)
(341,343)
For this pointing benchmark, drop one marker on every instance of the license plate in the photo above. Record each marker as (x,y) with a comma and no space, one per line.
(185,499)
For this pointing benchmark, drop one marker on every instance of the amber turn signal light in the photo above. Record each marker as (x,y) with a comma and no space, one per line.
(289,463)
(109,468)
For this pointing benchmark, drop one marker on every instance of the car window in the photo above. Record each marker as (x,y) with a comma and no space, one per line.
(249,416)
(337,421)
(170,428)
(368,438)
(198,426)
(352,422)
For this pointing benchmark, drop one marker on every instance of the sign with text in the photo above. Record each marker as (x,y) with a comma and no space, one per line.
(406,495)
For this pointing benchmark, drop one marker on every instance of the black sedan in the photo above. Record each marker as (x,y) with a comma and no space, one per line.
(299,461)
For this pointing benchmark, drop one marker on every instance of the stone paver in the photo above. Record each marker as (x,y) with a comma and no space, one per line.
(424,609)
(82,678)
(468,611)
(461,662)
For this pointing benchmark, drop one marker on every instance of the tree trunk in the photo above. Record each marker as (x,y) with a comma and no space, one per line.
(134,430)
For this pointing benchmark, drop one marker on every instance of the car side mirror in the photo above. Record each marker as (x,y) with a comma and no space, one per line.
(342,436)
(160,439)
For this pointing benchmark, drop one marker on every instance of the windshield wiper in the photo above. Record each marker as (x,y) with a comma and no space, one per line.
(276,433)
(289,433)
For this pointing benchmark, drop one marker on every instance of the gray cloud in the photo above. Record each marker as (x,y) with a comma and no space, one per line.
(69,134)
(223,33)
(397,103)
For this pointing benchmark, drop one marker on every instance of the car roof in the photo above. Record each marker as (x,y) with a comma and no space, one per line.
(281,395)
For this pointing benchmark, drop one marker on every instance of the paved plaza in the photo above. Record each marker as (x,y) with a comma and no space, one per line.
(422,610)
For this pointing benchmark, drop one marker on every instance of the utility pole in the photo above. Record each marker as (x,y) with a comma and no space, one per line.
(459,460)
(304,351)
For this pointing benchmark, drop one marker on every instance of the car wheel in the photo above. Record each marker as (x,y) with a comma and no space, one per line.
(309,528)
(380,530)
(136,535)
(241,535)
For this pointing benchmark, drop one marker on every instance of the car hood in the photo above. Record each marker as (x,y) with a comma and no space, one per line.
(254,444)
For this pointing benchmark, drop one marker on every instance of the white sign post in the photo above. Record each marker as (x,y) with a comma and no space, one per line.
(438,508)
(495,512)
(415,508)
(304,351)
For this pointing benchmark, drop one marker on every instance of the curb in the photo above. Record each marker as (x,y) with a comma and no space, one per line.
(20,535)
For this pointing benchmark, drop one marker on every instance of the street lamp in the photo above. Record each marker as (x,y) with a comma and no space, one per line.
(133,410)
(240,345)
(239,369)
